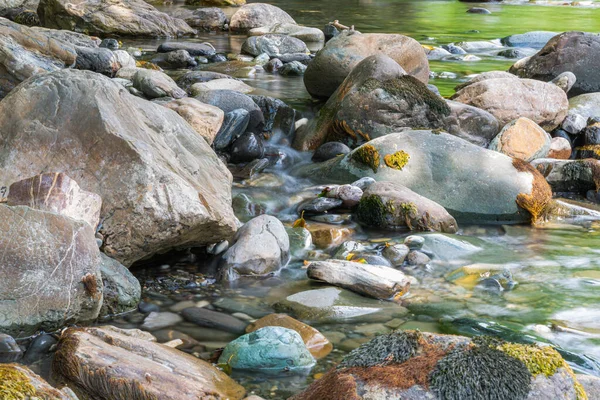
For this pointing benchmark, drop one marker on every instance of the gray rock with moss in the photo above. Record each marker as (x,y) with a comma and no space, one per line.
(473,184)
(389,205)
(272,349)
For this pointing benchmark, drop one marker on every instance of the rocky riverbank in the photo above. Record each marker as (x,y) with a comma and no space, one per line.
(169,231)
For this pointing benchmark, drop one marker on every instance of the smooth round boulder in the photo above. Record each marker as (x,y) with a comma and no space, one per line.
(335,61)
(255,15)
(576,52)
(523,139)
(447,170)
(534,39)
(272,349)
(248,147)
(510,98)
(259,247)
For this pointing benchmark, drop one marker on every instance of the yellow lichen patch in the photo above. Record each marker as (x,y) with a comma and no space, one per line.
(398,160)
(14,385)
(594,148)
(542,360)
(147,65)
(538,200)
(367,155)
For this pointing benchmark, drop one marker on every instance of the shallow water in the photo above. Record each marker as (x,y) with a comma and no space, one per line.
(556,268)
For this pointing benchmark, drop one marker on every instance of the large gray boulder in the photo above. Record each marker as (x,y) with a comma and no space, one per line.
(50,270)
(260,247)
(576,52)
(510,98)
(255,15)
(341,54)
(473,184)
(116,17)
(378,97)
(161,184)
(26,52)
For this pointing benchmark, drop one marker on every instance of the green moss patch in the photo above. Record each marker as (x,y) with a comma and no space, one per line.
(391,348)
(480,373)
(368,156)
(15,385)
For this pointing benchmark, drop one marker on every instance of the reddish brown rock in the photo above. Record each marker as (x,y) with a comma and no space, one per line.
(560,148)
(317,344)
(58,193)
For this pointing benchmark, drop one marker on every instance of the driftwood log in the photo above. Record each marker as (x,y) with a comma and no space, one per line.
(341,27)
(376,281)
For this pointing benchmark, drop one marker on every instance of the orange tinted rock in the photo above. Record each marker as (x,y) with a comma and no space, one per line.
(523,139)
(560,148)
(317,344)
(325,235)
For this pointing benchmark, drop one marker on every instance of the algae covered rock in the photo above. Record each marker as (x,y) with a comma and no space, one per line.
(272,349)
(113,363)
(376,98)
(19,382)
(389,205)
(473,184)
(415,365)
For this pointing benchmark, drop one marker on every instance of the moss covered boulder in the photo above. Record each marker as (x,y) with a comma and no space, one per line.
(378,97)
(388,205)
(473,184)
(341,54)
(415,365)
(17,382)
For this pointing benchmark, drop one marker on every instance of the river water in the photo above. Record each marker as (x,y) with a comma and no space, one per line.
(555,268)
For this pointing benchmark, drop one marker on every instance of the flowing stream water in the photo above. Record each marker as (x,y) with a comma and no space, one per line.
(555,268)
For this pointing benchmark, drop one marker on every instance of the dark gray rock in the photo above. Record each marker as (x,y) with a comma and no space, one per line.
(294,68)
(214,319)
(9,349)
(229,100)
(234,125)
(577,52)
(111,44)
(39,347)
(478,10)
(330,150)
(302,57)
(454,49)
(248,147)
(195,49)
(102,60)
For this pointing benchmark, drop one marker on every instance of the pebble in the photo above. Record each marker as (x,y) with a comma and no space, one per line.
(396,254)
(416,257)
(214,319)
(364,183)
(146,308)
(320,205)
(40,346)
(182,305)
(414,242)
(330,150)
(159,320)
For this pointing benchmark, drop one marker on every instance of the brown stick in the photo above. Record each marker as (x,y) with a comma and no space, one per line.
(341,27)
